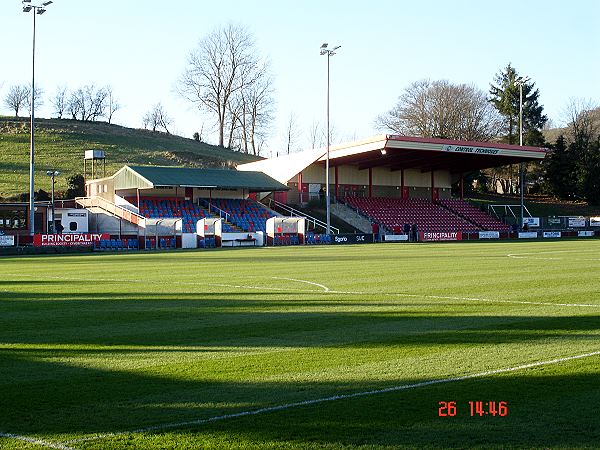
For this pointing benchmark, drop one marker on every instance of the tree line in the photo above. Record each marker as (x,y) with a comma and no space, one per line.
(441,109)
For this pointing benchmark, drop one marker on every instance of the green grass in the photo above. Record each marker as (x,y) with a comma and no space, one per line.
(60,144)
(111,343)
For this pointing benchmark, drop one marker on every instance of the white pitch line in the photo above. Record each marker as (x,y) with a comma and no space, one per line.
(285,406)
(296,291)
(39,442)
(325,288)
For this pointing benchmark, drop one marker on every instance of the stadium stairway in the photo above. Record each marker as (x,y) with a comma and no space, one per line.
(246,214)
(477,217)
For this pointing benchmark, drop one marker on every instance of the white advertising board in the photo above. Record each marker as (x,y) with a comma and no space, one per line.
(395,237)
(594,221)
(552,234)
(532,221)
(489,235)
(587,233)
(528,235)
(575,222)
(7,240)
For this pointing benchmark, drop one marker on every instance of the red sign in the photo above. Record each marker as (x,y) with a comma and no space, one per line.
(67,239)
(442,236)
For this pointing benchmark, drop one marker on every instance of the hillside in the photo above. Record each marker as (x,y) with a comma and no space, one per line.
(60,144)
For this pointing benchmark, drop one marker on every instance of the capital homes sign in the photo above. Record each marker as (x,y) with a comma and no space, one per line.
(472,150)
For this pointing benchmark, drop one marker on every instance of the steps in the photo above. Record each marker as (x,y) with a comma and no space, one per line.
(351,217)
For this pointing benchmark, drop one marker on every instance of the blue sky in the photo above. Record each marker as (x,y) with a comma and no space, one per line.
(140,48)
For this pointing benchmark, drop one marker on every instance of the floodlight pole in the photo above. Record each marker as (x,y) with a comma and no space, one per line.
(520,81)
(53,174)
(27,7)
(329,53)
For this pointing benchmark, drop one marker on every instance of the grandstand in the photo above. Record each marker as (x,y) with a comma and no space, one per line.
(394,213)
(397,180)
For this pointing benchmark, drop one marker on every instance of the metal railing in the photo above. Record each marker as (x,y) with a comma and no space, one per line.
(297,213)
(508,208)
(221,212)
(110,207)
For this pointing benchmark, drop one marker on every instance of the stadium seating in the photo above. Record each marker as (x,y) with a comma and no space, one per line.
(248,215)
(393,213)
(474,215)
(172,208)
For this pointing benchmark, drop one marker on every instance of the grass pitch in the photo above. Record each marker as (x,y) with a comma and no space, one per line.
(186,349)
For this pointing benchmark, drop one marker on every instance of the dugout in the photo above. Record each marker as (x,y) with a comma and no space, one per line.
(286,230)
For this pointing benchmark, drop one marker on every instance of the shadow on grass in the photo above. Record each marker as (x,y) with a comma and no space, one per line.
(547,409)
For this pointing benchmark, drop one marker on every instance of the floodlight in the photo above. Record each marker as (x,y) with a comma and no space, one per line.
(26,1)
(47,3)
(383,151)
(41,11)
(335,48)
(26,8)
(324,45)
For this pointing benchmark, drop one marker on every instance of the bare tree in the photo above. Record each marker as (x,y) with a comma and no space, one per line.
(292,132)
(315,134)
(16,98)
(157,118)
(88,103)
(220,71)
(113,104)
(442,109)
(60,101)
(583,118)
(38,99)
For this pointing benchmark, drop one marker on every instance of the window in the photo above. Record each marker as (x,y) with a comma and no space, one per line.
(73,226)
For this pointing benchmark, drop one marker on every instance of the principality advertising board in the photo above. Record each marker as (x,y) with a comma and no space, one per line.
(7,240)
(528,235)
(441,236)
(67,240)
(352,238)
(576,222)
(489,235)
(594,221)
(552,234)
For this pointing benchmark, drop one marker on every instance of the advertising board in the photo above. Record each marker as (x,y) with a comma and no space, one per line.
(531,221)
(489,235)
(67,240)
(528,235)
(576,222)
(352,238)
(441,236)
(552,234)
(7,240)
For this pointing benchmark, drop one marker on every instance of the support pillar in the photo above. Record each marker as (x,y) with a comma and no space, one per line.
(402,183)
(300,194)
(432,186)
(337,182)
(370,182)
(462,186)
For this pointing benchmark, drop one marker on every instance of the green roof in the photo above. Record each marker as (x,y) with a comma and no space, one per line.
(208,178)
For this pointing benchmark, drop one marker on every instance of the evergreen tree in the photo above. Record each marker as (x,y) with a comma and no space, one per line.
(590,187)
(75,186)
(505,97)
(561,169)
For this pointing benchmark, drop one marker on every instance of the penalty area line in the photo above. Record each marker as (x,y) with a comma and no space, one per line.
(285,406)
